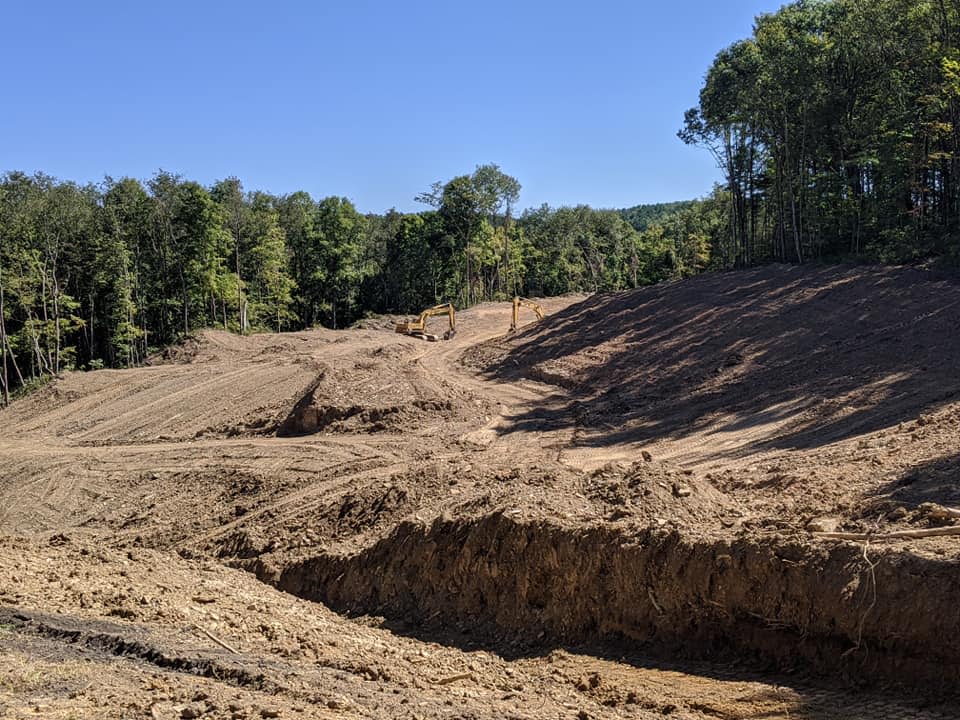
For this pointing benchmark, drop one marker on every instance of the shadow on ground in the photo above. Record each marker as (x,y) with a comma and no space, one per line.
(726,685)
(936,481)
(794,357)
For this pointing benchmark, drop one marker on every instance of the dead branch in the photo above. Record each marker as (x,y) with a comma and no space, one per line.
(899,535)
(217,640)
(454,678)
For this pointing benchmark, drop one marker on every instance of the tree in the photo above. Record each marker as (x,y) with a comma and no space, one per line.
(837,125)
(271,286)
(295,216)
(119,280)
(228,194)
(464,204)
(338,249)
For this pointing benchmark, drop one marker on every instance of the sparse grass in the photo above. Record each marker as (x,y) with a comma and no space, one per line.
(20,675)
(31,386)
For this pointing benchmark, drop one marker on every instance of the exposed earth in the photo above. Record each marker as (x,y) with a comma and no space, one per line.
(729,497)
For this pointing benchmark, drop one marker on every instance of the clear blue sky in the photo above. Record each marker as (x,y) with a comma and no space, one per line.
(580,101)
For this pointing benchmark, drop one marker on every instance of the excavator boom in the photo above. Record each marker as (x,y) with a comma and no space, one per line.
(517,302)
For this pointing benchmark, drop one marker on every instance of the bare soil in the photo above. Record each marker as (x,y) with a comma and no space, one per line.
(615,512)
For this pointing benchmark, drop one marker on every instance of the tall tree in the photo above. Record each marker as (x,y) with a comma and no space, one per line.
(229,195)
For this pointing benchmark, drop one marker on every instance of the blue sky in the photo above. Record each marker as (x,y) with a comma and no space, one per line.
(371,100)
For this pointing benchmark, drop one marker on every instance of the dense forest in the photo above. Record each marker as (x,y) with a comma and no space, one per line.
(643,216)
(836,126)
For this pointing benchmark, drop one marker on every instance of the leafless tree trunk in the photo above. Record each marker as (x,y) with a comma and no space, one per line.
(4,377)
(46,320)
(241,311)
(56,321)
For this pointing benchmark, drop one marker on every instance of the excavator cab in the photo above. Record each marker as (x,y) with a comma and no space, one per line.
(418,327)
(517,302)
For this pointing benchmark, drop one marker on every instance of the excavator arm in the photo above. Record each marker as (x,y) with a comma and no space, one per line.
(517,302)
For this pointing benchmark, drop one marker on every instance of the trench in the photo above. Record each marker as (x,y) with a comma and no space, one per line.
(118,645)
(881,617)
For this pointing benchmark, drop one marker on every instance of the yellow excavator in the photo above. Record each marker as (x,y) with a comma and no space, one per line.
(418,327)
(517,302)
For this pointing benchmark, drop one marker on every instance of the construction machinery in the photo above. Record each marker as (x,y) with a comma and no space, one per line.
(418,327)
(517,302)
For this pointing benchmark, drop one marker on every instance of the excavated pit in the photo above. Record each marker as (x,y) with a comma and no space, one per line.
(832,608)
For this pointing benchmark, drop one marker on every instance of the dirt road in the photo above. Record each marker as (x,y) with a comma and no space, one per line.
(605,515)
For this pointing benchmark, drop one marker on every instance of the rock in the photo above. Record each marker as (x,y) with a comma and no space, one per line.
(823,525)
(899,514)
(647,457)
(190,711)
(270,712)
(938,514)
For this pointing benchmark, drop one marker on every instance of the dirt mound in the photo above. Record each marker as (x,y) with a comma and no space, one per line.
(162,404)
(380,393)
(836,607)
(659,495)
(384,323)
(346,515)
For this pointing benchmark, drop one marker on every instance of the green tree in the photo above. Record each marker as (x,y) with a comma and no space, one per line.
(271,286)
(470,208)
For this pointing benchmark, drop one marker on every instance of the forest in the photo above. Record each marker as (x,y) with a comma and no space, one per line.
(835,127)
(104,275)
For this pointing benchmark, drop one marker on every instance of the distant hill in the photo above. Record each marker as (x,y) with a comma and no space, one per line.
(643,216)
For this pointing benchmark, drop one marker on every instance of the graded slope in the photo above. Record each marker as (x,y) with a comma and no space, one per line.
(729,364)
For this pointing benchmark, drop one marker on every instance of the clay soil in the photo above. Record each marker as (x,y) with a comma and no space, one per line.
(627,510)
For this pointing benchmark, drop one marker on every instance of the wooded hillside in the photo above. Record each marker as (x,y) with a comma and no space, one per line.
(836,126)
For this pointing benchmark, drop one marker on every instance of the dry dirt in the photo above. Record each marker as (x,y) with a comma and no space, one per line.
(609,514)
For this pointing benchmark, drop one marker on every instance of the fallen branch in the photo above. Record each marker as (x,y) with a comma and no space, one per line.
(654,601)
(899,535)
(217,640)
(454,678)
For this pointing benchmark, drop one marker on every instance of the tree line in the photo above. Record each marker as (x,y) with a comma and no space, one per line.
(103,275)
(837,127)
